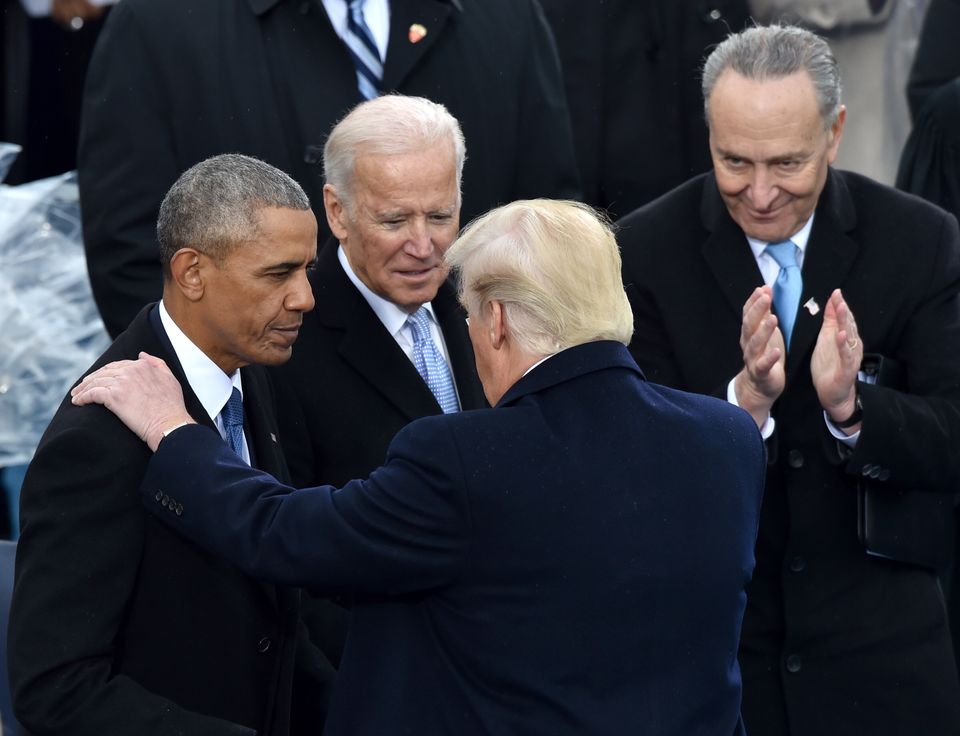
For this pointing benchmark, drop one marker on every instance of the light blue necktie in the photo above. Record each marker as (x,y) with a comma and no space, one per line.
(363,50)
(430,363)
(788,286)
(232,416)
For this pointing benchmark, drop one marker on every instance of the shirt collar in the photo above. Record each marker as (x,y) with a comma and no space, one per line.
(799,238)
(210,384)
(392,316)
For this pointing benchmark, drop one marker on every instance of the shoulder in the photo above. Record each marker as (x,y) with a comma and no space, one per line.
(678,205)
(667,224)
(885,202)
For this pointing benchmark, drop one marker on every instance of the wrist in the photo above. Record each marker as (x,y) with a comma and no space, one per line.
(164,429)
(756,404)
(849,418)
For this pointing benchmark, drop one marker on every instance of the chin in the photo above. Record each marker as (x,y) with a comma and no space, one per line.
(274,357)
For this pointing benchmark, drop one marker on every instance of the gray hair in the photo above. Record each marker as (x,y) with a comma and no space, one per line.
(214,205)
(555,268)
(773,52)
(386,126)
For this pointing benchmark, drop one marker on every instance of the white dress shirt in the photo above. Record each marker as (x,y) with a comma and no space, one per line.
(211,385)
(394,318)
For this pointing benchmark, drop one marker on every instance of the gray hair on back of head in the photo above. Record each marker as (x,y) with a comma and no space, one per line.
(555,268)
(386,126)
(772,52)
(214,205)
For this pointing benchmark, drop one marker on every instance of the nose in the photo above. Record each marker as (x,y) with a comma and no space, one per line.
(300,298)
(763,188)
(419,243)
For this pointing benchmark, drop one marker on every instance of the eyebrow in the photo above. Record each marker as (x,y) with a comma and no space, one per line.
(287,266)
(788,156)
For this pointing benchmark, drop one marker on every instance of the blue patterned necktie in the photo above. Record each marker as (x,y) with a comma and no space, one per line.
(232,416)
(787,287)
(363,50)
(430,363)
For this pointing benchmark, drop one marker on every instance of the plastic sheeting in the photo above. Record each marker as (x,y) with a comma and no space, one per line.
(50,331)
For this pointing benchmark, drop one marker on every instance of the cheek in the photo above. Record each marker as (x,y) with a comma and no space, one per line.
(730,185)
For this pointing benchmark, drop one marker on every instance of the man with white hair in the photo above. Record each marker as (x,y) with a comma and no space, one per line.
(387,343)
(572,561)
(834,284)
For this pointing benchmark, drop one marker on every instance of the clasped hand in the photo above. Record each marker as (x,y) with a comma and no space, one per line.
(833,366)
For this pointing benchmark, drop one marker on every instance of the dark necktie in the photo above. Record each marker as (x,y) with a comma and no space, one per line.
(232,416)
(363,51)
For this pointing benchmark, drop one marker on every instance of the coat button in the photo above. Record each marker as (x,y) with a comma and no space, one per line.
(795,459)
(179,509)
(158,496)
(867,469)
(883,474)
(797,564)
(263,645)
(793,663)
(165,501)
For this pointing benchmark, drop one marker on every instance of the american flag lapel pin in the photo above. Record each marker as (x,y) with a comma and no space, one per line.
(416,33)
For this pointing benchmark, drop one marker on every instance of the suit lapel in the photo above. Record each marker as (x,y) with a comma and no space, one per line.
(404,54)
(830,254)
(364,343)
(462,363)
(258,407)
(164,349)
(314,84)
(726,251)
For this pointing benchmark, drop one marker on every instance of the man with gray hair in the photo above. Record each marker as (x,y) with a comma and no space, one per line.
(118,626)
(387,343)
(845,296)
(571,562)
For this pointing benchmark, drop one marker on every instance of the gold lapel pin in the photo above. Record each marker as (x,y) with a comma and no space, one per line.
(812,306)
(416,33)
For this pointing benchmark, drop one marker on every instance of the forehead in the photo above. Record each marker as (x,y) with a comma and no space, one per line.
(424,176)
(774,112)
(281,235)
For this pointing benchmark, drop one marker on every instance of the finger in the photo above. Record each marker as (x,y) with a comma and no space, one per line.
(91,395)
(768,360)
(760,309)
(762,336)
(754,295)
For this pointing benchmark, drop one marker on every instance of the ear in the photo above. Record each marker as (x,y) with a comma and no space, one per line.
(186,272)
(498,325)
(836,133)
(336,212)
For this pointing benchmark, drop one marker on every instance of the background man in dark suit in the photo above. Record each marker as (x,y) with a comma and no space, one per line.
(834,640)
(119,626)
(175,81)
(392,199)
(630,73)
(572,561)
